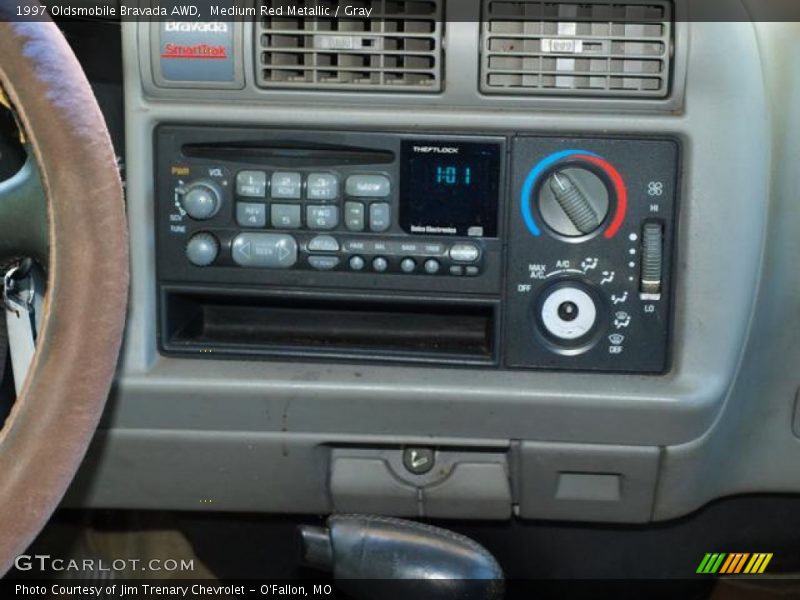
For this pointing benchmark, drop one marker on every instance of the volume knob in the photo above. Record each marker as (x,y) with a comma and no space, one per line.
(201,200)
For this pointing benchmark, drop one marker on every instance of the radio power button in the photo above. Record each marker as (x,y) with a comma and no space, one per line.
(201,200)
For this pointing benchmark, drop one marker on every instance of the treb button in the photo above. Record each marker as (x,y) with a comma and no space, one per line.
(432,266)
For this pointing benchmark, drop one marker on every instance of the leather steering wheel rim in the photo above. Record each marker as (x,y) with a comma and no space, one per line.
(58,408)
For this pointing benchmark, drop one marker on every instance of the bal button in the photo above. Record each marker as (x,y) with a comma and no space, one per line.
(380,264)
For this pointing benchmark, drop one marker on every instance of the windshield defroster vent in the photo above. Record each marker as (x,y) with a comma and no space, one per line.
(398,47)
(576,49)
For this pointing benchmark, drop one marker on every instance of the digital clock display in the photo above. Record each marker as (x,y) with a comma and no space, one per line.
(453,175)
(449,188)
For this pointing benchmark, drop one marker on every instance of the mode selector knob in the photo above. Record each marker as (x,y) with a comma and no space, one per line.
(201,200)
(569,316)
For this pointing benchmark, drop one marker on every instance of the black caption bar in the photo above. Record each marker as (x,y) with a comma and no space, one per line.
(211,11)
(174,589)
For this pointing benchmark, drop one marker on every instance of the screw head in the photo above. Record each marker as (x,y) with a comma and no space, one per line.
(419,461)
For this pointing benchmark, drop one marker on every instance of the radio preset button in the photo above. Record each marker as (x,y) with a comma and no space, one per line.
(322,217)
(354,216)
(357,263)
(322,186)
(465,253)
(286,186)
(323,263)
(368,186)
(379,216)
(202,249)
(285,216)
(251,184)
(380,264)
(432,266)
(472,271)
(251,214)
(265,250)
(457,270)
(407,265)
(323,243)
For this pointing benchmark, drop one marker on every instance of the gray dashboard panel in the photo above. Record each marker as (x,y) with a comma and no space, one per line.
(164,408)
(752,446)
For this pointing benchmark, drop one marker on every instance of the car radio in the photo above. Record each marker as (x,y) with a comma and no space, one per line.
(503,251)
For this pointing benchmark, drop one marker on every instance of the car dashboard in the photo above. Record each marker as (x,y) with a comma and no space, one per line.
(480,261)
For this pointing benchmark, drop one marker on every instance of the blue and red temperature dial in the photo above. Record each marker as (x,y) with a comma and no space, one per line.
(575,193)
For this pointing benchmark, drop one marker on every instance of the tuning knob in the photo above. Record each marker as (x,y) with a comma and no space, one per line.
(573,201)
(202,249)
(201,200)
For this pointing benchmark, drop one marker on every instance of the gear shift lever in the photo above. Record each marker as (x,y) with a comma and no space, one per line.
(421,560)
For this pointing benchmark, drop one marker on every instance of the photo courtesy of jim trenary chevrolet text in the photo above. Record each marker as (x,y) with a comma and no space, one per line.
(400,299)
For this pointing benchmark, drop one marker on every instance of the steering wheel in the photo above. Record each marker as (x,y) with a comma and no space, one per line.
(65,209)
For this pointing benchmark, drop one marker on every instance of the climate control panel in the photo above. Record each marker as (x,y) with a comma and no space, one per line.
(590,246)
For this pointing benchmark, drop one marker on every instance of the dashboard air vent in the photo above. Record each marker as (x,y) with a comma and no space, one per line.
(397,48)
(587,48)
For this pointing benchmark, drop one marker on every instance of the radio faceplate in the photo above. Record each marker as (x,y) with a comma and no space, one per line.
(503,251)
(323,209)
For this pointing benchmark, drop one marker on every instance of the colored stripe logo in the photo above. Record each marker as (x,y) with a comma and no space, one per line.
(735,563)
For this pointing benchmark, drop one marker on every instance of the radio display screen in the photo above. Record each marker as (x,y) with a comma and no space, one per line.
(449,188)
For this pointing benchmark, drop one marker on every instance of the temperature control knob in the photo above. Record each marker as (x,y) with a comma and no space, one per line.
(201,200)
(573,201)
